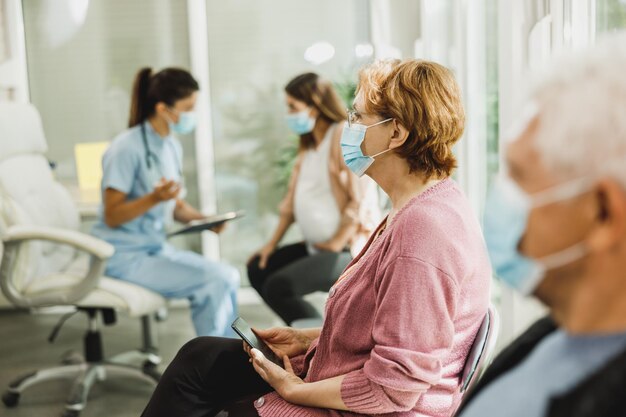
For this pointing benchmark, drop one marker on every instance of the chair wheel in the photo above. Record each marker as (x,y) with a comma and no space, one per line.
(150,369)
(70,413)
(10,399)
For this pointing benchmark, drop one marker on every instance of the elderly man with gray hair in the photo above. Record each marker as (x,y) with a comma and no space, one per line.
(555,226)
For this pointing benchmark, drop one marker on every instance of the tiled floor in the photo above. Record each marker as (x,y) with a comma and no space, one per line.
(24,347)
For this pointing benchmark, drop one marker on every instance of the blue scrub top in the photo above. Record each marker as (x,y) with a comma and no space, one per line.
(125,168)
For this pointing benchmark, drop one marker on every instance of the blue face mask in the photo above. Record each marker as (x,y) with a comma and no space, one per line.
(186,123)
(300,123)
(506,217)
(351,139)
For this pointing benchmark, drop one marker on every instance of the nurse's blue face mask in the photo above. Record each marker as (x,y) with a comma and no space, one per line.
(506,217)
(352,137)
(186,122)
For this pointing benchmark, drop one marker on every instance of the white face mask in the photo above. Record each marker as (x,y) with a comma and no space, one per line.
(506,217)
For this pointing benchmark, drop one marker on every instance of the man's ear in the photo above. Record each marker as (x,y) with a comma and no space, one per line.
(609,199)
(399,134)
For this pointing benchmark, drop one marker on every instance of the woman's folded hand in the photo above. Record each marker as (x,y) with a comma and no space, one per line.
(284,381)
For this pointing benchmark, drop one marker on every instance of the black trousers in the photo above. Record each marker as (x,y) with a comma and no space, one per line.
(209,375)
(290,274)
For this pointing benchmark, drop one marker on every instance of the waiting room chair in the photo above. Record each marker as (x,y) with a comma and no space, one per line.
(44,264)
(482,350)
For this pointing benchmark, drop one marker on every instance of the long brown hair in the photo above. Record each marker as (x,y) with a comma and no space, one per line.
(167,86)
(320,94)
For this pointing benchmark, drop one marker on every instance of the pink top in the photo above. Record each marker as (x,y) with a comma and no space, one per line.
(400,323)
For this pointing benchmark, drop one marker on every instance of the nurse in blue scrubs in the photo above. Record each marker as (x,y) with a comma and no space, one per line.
(143,191)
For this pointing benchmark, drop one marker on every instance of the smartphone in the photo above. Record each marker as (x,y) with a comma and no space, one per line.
(242,328)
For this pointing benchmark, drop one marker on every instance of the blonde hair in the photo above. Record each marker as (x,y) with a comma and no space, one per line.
(423,97)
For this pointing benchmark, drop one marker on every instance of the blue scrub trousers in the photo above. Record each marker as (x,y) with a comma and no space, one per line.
(211,287)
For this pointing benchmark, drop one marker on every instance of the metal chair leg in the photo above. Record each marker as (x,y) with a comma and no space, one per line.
(115,370)
(12,395)
(135,357)
(77,399)
(65,371)
(79,393)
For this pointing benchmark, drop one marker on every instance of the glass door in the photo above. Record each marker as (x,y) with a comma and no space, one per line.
(82,57)
(255,48)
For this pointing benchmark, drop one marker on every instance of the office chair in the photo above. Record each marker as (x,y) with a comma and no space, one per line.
(44,264)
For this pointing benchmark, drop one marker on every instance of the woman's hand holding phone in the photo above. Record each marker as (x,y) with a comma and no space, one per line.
(284,341)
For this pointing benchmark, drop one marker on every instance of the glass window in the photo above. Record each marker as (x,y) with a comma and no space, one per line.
(82,59)
(492,97)
(610,15)
(4,35)
(255,48)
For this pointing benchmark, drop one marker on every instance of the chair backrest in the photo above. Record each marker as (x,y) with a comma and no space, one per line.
(482,350)
(29,194)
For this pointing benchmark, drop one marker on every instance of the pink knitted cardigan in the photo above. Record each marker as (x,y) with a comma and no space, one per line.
(400,321)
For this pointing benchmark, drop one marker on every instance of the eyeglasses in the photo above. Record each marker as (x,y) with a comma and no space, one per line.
(353,116)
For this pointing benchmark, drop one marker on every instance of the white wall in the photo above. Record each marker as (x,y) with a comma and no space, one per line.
(82,85)
(13,77)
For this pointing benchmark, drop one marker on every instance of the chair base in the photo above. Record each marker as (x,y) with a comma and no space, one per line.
(91,367)
(85,375)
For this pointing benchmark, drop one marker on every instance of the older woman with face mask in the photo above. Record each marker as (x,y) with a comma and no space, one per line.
(401,318)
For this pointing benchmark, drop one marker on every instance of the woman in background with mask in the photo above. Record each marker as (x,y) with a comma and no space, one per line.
(402,317)
(324,199)
(143,191)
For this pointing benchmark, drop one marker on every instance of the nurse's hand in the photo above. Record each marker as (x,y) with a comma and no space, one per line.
(218,228)
(166,190)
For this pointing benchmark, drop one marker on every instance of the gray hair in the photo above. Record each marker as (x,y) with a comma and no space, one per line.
(582,112)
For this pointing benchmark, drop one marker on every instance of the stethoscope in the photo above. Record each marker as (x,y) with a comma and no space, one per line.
(152,157)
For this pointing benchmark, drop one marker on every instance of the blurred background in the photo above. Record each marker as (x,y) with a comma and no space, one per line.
(75,61)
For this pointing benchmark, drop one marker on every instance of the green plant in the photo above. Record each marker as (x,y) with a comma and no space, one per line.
(284,162)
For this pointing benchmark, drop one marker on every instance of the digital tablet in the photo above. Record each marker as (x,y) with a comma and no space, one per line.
(207,223)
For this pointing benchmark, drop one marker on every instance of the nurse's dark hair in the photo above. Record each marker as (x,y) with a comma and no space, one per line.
(167,86)
(319,93)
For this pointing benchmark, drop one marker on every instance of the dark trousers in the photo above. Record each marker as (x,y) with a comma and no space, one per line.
(209,375)
(290,274)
